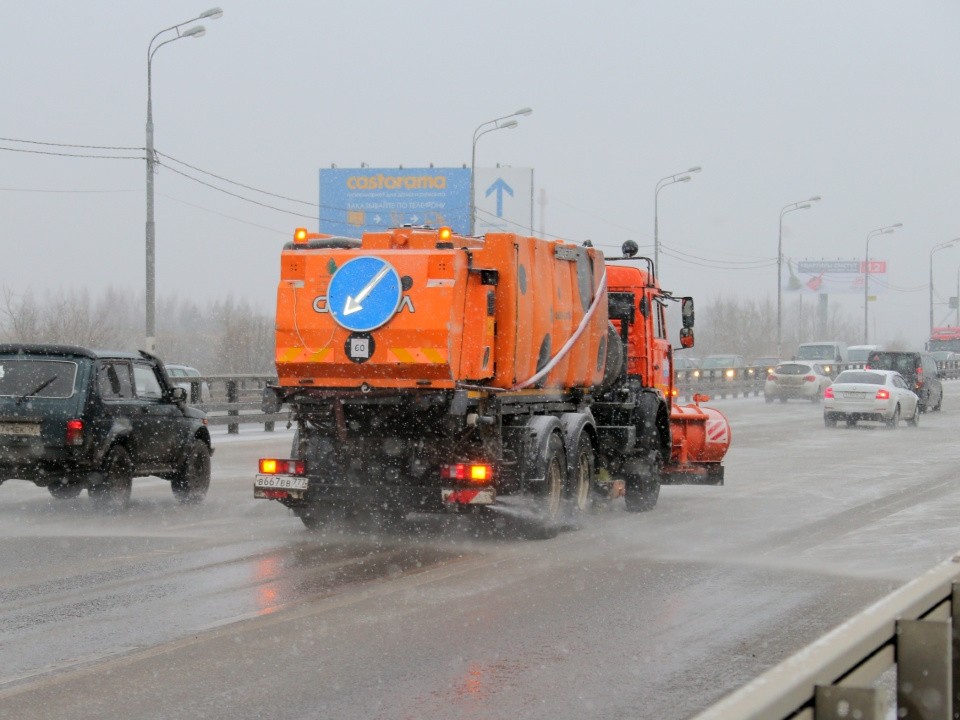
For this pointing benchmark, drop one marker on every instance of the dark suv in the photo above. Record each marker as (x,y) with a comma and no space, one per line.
(919,369)
(72,418)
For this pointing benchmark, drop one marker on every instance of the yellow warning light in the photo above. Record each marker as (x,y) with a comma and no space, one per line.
(300,235)
(268,466)
(478,472)
(445,233)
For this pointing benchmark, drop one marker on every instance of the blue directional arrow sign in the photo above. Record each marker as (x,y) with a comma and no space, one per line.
(499,187)
(364,293)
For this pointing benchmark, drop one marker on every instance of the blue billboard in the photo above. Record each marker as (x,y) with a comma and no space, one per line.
(358,200)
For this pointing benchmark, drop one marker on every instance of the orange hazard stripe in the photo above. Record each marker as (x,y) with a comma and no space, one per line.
(295,354)
(431,356)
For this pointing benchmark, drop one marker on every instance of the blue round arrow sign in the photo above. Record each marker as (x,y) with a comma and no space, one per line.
(364,293)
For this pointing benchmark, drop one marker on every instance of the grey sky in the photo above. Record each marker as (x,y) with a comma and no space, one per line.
(778,101)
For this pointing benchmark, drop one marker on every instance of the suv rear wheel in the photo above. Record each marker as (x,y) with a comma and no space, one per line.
(191,484)
(113,493)
(65,492)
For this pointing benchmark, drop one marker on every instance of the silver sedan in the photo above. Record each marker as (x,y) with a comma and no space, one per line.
(878,395)
(804,380)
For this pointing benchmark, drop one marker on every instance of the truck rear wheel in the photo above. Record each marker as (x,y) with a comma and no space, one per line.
(642,478)
(581,479)
(314,515)
(548,502)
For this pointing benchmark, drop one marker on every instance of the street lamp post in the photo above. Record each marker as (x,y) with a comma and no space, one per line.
(196,31)
(790,207)
(866,274)
(685,176)
(934,249)
(958,297)
(497,125)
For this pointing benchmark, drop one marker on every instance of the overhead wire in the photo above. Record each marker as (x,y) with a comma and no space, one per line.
(77,155)
(71,145)
(234,182)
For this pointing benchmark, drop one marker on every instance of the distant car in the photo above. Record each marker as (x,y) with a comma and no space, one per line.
(74,419)
(873,395)
(722,361)
(918,369)
(184,371)
(831,355)
(945,356)
(732,367)
(767,363)
(801,380)
(686,363)
(857,354)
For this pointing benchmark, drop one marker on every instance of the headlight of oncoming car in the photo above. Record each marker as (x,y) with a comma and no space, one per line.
(730,373)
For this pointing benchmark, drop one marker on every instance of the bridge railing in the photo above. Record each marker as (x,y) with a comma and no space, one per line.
(233,399)
(746,381)
(914,629)
(720,382)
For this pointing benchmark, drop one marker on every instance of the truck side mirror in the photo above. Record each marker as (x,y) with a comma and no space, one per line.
(686,337)
(178,394)
(686,313)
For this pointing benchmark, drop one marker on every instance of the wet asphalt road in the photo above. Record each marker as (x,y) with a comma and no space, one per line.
(233,610)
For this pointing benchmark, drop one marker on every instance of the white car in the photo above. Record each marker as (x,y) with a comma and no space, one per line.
(801,380)
(880,395)
(177,374)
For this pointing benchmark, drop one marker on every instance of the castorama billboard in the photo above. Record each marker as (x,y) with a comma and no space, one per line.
(358,200)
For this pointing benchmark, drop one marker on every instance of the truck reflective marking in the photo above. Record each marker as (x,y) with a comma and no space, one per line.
(418,355)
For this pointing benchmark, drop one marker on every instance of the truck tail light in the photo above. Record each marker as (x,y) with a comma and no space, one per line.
(471,472)
(74,432)
(883,394)
(828,393)
(275,466)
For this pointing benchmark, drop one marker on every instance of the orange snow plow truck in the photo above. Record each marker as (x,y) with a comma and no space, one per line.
(428,371)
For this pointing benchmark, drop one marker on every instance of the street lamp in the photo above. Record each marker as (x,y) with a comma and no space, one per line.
(937,248)
(790,207)
(958,297)
(684,176)
(196,31)
(497,125)
(866,274)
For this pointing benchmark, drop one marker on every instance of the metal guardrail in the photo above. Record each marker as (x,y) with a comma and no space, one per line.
(238,395)
(746,381)
(915,629)
(720,382)
(234,399)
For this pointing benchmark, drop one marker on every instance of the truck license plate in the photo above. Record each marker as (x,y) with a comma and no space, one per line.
(281,482)
(20,428)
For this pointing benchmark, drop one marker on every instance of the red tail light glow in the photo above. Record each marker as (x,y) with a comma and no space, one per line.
(274,466)
(810,378)
(474,472)
(828,393)
(74,432)
(883,394)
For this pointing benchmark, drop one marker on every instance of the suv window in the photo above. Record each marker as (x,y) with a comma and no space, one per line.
(37,378)
(148,386)
(113,381)
(904,363)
